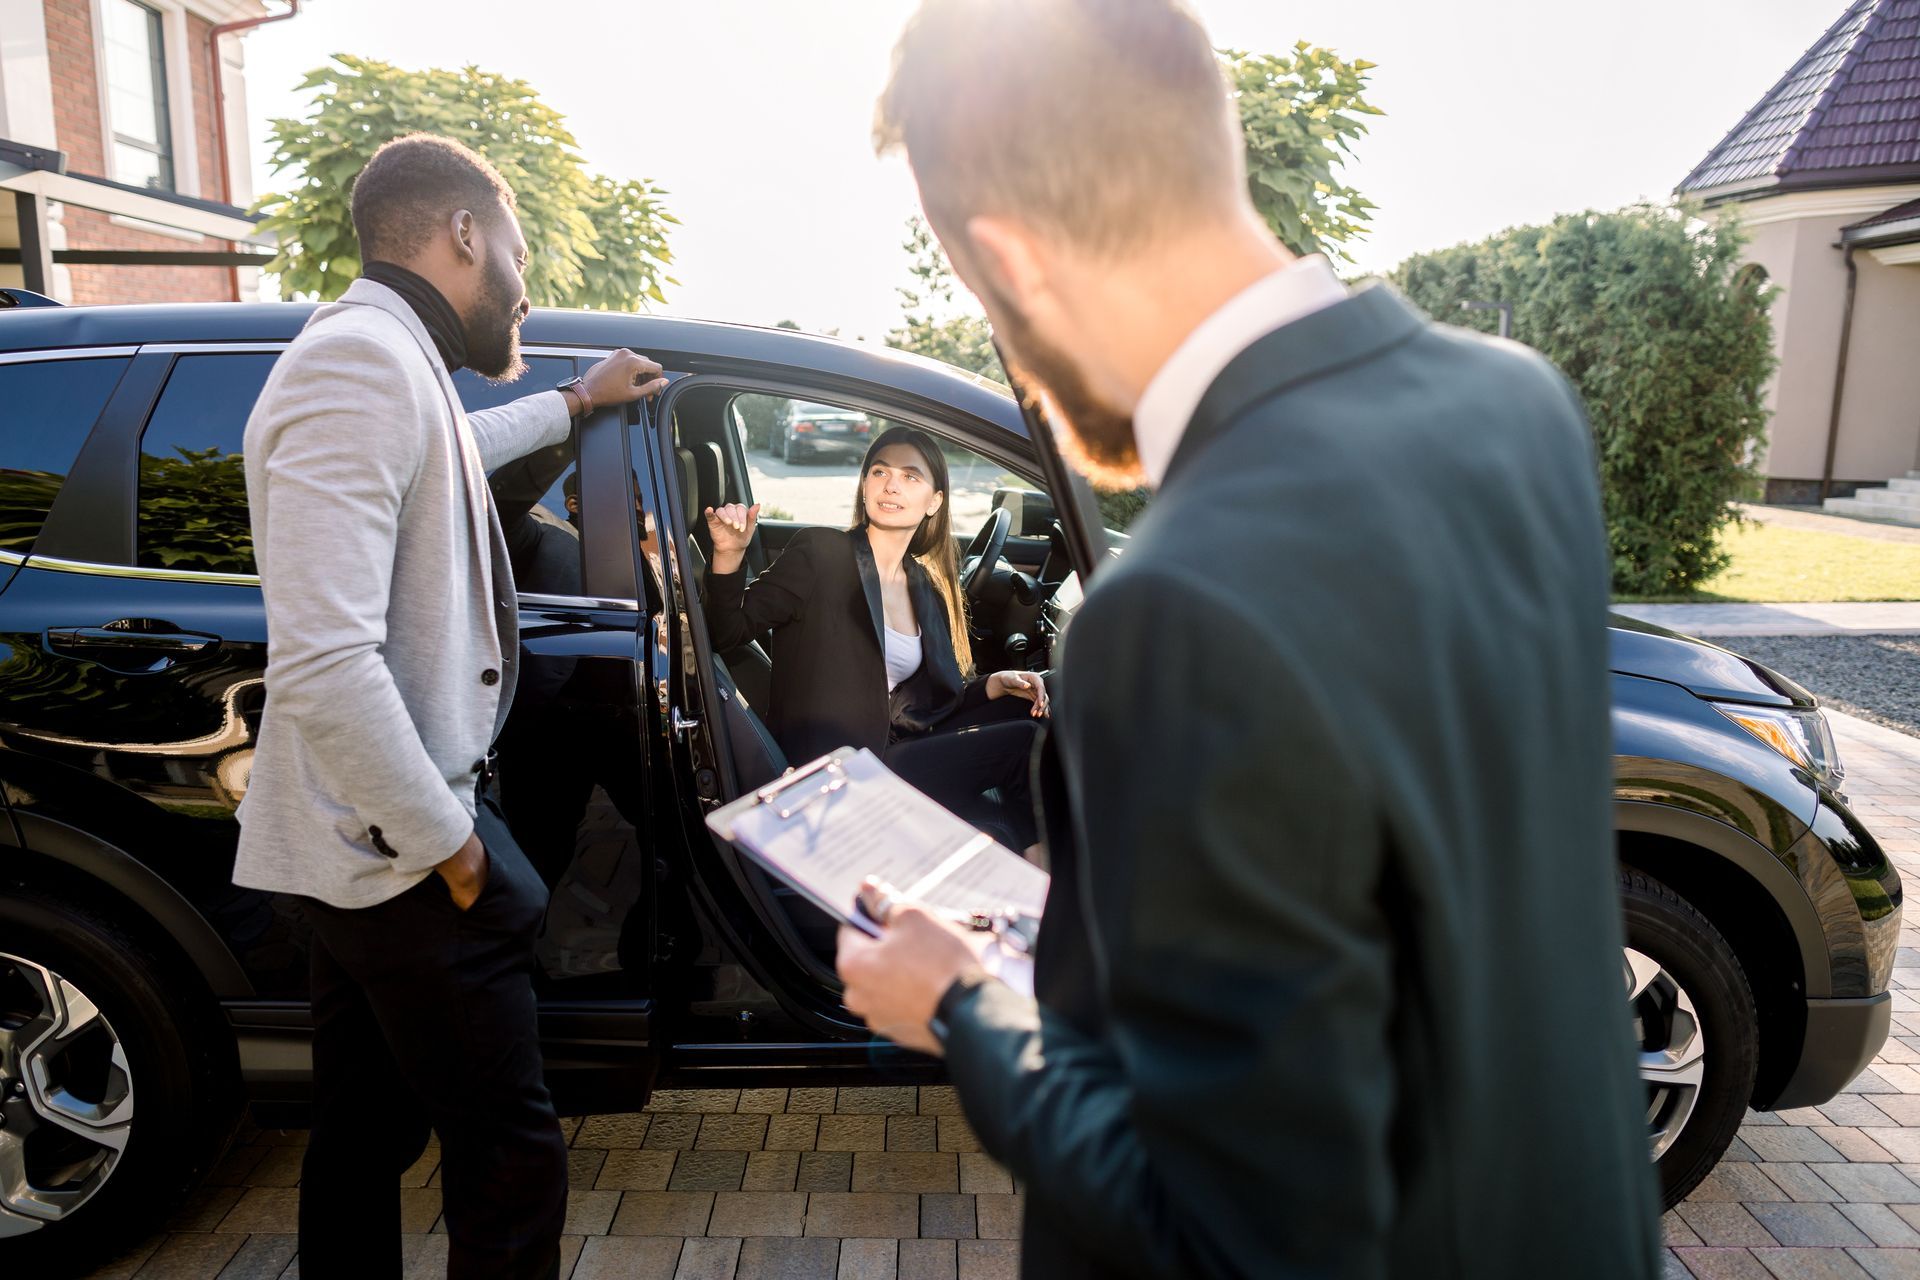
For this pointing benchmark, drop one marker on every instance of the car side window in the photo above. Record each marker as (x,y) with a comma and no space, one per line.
(50,406)
(803,462)
(193,486)
(193,481)
(536,496)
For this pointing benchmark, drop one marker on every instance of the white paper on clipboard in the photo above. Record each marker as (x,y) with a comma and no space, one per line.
(826,827)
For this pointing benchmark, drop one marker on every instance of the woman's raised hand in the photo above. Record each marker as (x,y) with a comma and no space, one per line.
(731,527)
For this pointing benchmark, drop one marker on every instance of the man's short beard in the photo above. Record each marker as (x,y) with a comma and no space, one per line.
(493,331)
(1096,441)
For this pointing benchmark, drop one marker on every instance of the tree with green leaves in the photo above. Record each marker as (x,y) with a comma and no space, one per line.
(933,323)
(1665,335)
(594,241)
(1300,114)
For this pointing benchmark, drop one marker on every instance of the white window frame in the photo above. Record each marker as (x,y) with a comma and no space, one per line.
(186,151)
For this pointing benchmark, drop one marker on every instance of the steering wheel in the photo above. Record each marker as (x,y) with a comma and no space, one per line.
(983,553)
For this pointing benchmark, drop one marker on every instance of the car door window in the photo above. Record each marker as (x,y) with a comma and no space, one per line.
(803,462)
(50,406)
(193,480)
(193,492)
(536,496)
(542,373)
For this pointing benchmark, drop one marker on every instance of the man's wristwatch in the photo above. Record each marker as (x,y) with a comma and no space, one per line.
(578,386)
(941,1023)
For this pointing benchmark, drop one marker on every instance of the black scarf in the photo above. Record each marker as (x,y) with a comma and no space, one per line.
(442,321)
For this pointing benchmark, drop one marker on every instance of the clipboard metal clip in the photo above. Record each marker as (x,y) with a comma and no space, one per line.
(836,778)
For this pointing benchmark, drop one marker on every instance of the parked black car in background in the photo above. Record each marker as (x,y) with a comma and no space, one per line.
(145,1001)
(809,431)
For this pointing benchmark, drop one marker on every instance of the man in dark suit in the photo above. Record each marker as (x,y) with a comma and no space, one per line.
(1329,981)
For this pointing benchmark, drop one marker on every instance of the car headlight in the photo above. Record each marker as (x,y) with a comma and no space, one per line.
(1801,734)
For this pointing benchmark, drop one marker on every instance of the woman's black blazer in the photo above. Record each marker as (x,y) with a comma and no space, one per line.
(821,603)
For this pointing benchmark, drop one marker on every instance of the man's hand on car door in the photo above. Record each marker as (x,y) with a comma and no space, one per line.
(622,376)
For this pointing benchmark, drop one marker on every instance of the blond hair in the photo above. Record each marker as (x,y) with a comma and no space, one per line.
(1106,122)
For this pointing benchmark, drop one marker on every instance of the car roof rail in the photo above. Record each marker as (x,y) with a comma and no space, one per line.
(12,297)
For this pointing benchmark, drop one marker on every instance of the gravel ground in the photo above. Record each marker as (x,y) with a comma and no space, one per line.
(1874,677)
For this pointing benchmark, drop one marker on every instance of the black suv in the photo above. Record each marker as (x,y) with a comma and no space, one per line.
(145,1001)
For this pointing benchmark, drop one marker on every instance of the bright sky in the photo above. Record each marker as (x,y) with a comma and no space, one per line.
(754,114)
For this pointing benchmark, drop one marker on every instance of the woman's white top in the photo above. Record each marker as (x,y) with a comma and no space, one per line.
(903,657)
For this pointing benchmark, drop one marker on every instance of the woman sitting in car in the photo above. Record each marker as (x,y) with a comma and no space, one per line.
(869,640)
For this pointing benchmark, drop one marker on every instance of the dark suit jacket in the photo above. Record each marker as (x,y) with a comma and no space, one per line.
(1330,971)
(821,601)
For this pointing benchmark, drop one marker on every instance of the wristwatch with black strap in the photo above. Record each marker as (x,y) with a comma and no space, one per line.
(955,995)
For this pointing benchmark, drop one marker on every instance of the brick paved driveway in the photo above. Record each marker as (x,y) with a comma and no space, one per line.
(889,1182)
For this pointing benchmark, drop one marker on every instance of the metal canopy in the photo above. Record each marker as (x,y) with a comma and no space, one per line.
(36,175)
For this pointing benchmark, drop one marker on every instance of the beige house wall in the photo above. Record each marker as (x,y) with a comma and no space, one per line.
(1880,416)
(1794,238)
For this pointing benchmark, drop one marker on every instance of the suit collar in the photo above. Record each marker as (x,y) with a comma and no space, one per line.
(936,644)
(371,293)
(1367,323)
(870,583)
(1281,297)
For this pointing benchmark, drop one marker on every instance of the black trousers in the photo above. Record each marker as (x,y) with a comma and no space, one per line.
(989,747)
(424,1018)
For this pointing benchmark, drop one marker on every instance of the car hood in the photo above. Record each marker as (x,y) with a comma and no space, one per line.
(1637,648)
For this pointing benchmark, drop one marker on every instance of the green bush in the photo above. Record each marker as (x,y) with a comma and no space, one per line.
(1120,510)
(761,416)
(1649,312)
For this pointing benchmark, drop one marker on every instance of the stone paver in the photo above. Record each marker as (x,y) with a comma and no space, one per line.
(889,1183)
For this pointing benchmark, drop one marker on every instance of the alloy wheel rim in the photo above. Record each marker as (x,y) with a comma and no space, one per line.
(1673,1047)
(66,1097)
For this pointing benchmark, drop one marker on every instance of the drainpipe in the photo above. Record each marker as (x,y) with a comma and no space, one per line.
(1839,376)
(219,84)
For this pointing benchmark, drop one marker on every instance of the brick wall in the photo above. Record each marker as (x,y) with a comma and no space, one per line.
(76,113)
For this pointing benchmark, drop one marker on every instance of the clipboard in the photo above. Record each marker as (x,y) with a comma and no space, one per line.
(824,827)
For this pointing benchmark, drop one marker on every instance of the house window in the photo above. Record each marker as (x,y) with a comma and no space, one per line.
(136,70)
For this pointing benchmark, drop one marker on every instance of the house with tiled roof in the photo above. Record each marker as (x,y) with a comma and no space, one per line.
(1824,174)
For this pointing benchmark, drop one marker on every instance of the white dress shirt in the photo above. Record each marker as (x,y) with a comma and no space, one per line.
(903,657)
(1160,419)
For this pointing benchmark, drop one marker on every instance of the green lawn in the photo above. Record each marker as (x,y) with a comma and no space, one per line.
(1775,564)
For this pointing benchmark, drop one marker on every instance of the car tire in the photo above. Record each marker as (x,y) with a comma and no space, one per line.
(179,1098)
(1694,1014)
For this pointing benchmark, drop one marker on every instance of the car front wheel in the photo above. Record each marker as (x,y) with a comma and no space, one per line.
(113,1100)
(1698,1035)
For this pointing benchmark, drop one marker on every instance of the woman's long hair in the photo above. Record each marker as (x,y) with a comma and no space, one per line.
(932,543)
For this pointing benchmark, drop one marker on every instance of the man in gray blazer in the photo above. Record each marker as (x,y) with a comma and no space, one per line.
(392,638)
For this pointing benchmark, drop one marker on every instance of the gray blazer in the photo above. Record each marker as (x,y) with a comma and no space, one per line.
(390,603)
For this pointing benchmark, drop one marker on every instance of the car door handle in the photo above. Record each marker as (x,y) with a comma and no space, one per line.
(133,646)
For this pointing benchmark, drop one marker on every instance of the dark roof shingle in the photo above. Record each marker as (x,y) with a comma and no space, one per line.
(1849,107)
(1899,213)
